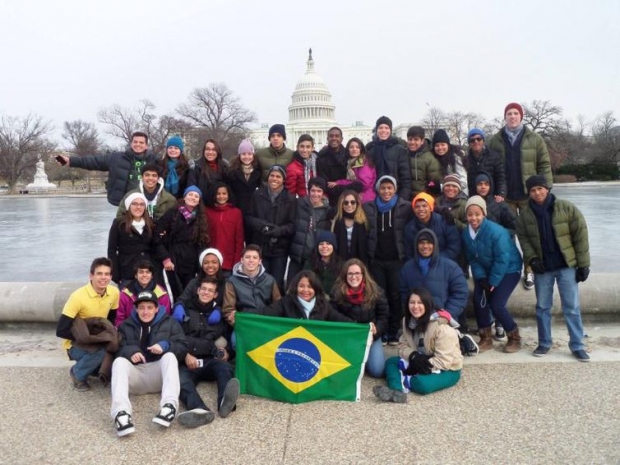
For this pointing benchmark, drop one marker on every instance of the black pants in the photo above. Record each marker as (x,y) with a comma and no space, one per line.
(276,267)
(386,273)
(213,370)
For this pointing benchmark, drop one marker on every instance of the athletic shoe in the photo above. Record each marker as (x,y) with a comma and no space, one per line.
(500,334)
(166,415)
(528,281)
(467,345)
(386,394)
(196,417)
(540,351)
(79,386)
(229,399)
(123,424)
(581,355)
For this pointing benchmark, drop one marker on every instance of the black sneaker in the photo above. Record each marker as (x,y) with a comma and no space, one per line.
(540,351)
(229,399)
(528,281)
(500,334)
(123,424)
(581,355)
(196,417)
(166,415)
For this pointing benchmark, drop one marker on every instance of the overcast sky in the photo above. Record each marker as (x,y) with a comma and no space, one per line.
(65,60)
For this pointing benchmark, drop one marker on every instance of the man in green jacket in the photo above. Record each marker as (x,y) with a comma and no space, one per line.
(159,200)
(424,165)
(277,153)
(554,238)
(525,154)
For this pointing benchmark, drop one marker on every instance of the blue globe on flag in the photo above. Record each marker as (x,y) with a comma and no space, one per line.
(298,360)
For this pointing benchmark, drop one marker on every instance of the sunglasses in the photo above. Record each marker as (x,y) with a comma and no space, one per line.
(475,139)
(349,202)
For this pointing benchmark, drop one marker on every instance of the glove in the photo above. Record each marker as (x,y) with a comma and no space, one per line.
(581,274)
(538,266)
(419,364)
(484,285)
(447,217)
(215,317)
(178,312)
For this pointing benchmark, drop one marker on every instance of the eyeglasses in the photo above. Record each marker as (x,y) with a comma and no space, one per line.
(475,139)
(355,273)
(349,202)
(138,204)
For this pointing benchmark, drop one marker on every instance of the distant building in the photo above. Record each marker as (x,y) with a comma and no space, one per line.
(311,112)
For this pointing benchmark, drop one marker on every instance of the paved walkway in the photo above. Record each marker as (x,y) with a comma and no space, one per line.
(508,408)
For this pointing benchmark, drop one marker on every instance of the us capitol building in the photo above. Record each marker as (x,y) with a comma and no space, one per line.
(311,112)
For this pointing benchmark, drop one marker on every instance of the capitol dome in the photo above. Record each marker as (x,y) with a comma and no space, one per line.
(311,100)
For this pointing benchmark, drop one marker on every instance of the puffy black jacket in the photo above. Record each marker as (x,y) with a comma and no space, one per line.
(397,161)
(304,239)
(163,328)
(201,335)
(378,315)
(125,249)
(333,167)
(278,215)
(492,164)
(119,166)
(402,214)
(289,307)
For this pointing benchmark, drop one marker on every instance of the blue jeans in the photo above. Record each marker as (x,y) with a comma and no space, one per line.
(569,296)
(87,363)
(496,303)
(375,365)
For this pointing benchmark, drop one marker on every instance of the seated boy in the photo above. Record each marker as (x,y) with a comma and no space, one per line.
(207,358)
(151,346)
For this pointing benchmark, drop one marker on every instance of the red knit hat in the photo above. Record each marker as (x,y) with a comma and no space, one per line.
(514,105)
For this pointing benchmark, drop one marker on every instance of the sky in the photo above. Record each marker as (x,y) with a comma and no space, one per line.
(66,60)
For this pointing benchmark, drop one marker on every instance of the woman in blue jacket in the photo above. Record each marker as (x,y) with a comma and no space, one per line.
(496,267)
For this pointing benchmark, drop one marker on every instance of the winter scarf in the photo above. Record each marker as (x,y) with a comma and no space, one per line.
(356,297)
(172,178)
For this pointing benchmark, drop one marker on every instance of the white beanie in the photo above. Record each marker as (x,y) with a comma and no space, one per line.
(211,251)
(131,197)
(478,201)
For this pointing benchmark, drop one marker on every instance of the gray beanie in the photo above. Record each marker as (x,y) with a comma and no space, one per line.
(385,178)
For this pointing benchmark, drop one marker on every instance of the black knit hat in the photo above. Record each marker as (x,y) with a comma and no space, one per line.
(425,235)
(441,136)
(482,177)
(384,120)
(535,181)
(327,236)
(277,128)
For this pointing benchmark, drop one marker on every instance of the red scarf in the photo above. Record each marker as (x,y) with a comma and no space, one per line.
(213,165)
(356,297)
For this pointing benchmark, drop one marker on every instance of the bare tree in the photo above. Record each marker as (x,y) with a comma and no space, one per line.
(216,113)
(122,122)
(83,140)
(434,119)
(606,132)
(543,117)
(23,142)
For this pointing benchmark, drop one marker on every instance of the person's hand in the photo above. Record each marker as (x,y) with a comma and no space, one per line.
(168,265)
(581,274)
(155,349)
(419,364)
(226,355)
(332,184)
(373,328)
(138,358)
(191,362)
(447,217)
(499,199)
(231,317)
(485,286)
(65,158)
(537,265)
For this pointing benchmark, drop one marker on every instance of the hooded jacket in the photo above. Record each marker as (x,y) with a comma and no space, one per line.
(499,212)
(304,238)
(400,215)
(156,208)
(200,334)
(441,342)
(448,239)
(245,294)
(445,280)
(424,168)
(119,166)
(127,300)
(163,330)
(492,254)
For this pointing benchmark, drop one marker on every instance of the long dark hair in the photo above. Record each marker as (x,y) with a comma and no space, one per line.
(341,287)
(211,196)
(315,283)
(334,265)
(181,167)
(363,154)
(235,163)
(125,222)
(219,160)
(429,307)
(201,231)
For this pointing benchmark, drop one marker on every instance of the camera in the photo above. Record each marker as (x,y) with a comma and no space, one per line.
(218,353)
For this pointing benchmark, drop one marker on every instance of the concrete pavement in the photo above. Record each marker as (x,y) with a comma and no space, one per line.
(508,408)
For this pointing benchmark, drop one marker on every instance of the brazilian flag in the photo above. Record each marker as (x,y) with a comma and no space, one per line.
(299,361)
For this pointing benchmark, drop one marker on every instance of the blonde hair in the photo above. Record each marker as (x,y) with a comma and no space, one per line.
(358,217)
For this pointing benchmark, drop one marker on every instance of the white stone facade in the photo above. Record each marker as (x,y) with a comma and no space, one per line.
(311,112)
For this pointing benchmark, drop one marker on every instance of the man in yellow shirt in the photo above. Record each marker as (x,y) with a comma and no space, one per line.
(96,299)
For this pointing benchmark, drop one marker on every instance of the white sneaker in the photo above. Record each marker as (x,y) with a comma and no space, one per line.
(123,424)
(166,415)
(528,281)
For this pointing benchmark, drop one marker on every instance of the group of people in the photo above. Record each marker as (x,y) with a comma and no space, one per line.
(383,234)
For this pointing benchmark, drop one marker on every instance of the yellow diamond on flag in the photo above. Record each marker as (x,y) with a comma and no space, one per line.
(298,359)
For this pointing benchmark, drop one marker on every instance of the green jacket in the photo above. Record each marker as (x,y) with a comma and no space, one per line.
(534,155)
(570,229)
(164,201)
(268,156)
(424,168)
